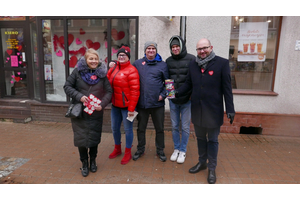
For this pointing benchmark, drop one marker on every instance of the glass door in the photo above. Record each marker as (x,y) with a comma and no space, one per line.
(13,66)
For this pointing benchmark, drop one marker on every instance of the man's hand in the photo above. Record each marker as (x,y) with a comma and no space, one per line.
(231,117)
(160,98)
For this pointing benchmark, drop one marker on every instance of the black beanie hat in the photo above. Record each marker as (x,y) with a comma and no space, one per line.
(124,49)
(175,41)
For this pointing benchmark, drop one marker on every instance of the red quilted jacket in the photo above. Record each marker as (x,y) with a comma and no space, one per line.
(125,81)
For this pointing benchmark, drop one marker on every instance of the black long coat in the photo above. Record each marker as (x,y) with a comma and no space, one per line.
(88,128)
(208,90)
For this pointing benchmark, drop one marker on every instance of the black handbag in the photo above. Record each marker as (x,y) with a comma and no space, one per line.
(74,110)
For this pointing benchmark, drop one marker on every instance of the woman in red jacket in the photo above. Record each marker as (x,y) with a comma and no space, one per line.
(124,79)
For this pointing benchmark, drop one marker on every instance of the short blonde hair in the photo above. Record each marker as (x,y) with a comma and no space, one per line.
(91,51)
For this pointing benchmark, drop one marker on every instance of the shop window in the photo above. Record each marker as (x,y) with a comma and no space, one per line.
(252,51)
(54,68)
(15,77)
(123,32)
(84,34)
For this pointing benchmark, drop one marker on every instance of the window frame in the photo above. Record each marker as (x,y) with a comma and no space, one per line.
(271,92)
(65,19)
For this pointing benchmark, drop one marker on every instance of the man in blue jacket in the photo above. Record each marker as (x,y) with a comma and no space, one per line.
(210,81)
(153,72)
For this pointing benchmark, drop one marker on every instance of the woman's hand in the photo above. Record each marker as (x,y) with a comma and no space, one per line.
(98,108)
(85,99)
(112,64)
(130,114)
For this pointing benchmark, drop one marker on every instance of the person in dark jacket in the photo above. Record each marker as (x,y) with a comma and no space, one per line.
(180,108)
(153,72)
(89,77)
(210,81)
(125,81)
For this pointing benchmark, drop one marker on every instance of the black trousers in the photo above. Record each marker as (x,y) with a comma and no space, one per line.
(208,145)
(83,152)
(158,117)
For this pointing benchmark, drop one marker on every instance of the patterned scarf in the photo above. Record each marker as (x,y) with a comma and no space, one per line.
(90,77)
(203,62)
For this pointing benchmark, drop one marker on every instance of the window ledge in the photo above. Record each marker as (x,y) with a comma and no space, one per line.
(251,92)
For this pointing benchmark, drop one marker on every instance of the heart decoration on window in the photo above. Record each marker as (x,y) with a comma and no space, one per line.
(72,62)
(91,44)
(114,50)
(81,51)
(61,40)
(19,47)
(9,51)
(81,31)
(59,53)
(117,35)
(78,41)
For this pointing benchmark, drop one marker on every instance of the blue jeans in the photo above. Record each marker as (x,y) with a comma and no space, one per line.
(183,110)
(208,145)
(117,116)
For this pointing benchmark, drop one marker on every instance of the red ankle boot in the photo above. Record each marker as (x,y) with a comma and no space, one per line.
(117,151)
(127,156)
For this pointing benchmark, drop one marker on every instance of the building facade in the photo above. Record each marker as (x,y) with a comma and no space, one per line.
(38,54)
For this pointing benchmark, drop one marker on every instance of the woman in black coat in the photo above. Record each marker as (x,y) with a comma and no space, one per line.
(88,78)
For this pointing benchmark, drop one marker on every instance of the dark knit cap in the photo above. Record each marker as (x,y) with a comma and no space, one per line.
(175,41)
(150,43)
(124,49)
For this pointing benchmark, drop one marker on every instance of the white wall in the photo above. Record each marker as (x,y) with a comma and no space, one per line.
(153,29)
(156,30)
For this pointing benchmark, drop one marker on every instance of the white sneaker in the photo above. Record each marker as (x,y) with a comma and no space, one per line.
(174,155)
(181,157)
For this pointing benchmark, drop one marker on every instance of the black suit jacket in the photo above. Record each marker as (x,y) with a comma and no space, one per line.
(208,90)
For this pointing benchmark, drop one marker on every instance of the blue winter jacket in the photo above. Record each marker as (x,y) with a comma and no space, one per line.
(152,81)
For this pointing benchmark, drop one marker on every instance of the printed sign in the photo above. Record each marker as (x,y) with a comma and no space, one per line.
(253,41)
(14,61)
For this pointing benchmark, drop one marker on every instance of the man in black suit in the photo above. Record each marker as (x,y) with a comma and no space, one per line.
(210,81)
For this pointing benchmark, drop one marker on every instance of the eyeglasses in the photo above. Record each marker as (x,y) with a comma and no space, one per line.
(122,55)
(203,48)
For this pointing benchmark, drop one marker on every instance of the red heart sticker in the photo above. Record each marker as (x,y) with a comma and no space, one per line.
(211,73)
(19,47)
(72,62)
(17,78)
(93,77)
(81,31)
(61,40)
(117,35)
(9,51)
(91,44)
(70,39)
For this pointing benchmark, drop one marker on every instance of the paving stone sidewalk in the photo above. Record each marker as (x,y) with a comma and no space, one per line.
(43,153)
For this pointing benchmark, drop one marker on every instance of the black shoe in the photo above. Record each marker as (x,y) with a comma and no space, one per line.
(93,165)
(85,168)
(198,168)
(211,178)
(137,154)
(161,156)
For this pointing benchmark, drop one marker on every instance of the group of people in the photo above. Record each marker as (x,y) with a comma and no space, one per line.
(200,83)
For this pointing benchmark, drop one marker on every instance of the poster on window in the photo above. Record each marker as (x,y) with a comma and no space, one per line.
(47,72)
(253,41)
